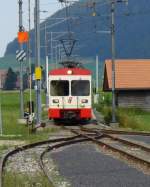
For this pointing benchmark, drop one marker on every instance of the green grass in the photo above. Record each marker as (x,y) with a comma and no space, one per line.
(135,119)
(11,112)
(145,120)
(132,118)
(22,180)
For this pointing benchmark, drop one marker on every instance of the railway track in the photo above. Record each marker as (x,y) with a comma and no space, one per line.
(26,147)
(124,132)
(135,151)
(106,129)
(59,145)
(103,137)
(60,142)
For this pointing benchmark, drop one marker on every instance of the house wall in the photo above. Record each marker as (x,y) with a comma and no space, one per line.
(138,99)
(3,75)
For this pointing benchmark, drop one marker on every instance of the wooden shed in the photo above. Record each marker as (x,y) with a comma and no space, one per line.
(132,82)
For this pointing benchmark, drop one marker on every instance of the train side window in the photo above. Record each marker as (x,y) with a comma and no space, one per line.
(80,88)
(59,88)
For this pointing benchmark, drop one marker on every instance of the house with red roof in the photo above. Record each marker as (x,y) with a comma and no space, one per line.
(132,82)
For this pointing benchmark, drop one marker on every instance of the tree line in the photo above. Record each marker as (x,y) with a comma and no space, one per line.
(12,79)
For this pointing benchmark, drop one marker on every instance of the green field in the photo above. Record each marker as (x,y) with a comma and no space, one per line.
(22,180)
(133,118)
(128,118)
(11,113)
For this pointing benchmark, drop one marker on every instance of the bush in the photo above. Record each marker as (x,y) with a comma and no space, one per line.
(107,112)
(105,99)
(126,118)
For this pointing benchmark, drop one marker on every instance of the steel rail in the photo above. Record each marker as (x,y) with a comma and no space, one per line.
(113,131)
(126,132)
(113,148)
(123,140)
(33,145)
(66,143)
(25,147)
(129,142)
(50,148)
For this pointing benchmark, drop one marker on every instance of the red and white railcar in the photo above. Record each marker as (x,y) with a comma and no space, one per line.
(69,93)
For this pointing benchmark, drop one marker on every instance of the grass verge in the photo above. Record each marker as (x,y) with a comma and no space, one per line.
(10,113)
(133,118)
(22,180)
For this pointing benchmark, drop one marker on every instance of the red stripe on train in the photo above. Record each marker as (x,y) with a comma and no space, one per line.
(58,113)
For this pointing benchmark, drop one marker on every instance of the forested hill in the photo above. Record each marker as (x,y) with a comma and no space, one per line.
(132,30)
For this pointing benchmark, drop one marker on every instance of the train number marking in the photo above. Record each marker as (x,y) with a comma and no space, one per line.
(70,100)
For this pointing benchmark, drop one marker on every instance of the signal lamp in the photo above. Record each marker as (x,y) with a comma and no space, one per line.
(82,105)
(94,14)
(69,72)
(84,101)
(55,101)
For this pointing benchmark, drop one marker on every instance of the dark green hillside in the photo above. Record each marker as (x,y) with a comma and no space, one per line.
(10,61)
(132,33)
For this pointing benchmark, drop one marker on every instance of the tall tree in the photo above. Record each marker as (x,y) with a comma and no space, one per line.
(25,81)
(11,79)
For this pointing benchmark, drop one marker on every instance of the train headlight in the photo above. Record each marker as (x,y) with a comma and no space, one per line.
(82,105)
(55,101)
(84,101)
(69,72)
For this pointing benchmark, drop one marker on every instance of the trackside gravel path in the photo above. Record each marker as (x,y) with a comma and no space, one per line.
(144,139)
(84,166)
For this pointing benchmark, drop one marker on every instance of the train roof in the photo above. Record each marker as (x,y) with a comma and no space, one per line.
(70,71)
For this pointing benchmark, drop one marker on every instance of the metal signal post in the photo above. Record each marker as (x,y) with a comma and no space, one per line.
(113,52)
(97,75)
(21,65)
(113,60)
(37,62)
(46,67)
(29,63)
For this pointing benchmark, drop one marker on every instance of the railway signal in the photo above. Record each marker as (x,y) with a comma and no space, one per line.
(37,62)
(38,73)
(20,55)
(21,30)
(23,37)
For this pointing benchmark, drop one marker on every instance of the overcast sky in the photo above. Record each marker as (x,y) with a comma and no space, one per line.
(9,18)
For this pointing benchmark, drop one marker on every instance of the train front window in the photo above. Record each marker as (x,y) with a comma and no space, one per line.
(59,88)
(80,88)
